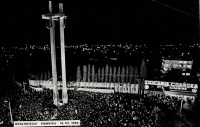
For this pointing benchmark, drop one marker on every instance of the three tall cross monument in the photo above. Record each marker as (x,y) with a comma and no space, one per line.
(52,18)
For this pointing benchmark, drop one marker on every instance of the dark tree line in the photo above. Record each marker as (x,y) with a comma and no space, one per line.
(42,76)
(109,74)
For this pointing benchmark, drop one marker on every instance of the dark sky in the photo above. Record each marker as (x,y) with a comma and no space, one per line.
(140,21)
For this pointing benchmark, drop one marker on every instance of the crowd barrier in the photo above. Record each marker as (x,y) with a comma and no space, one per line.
(36,88)
(96,90)
(153,93)
(117,87)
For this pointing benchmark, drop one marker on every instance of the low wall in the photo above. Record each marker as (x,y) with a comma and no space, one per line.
(96,90)
(117,87)
(36,88)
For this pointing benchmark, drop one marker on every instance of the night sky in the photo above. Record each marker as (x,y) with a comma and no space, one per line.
(140,21)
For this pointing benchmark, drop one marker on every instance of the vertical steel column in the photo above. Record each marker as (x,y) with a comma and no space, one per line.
(53,57)
(62,46)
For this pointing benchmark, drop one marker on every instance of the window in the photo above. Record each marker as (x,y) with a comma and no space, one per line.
(189,66)
(184,66)
(187,74)
(167,65)
(185,62)
(189,62)
(175,65)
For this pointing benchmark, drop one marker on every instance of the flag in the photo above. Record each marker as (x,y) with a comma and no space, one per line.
(76,111)
(163,69)
(163,90)
(54,97)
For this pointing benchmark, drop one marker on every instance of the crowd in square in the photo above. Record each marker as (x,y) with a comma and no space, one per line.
(92,109)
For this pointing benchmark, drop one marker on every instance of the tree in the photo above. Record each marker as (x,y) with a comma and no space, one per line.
(49,75)
(110,75)
(118,74)
(135,75)
(107,69)
(84,73)
(136,78)
(99,75)
(114,75)
(41,76)
(93,73)
(143,70)
(102,76)
(143,75)
(131,74)
(37,77)
(78,74)
(96,78)
(122,74)
(127,74)
(45,76)
(88,72)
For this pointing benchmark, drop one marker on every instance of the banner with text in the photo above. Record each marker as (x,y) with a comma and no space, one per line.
(173,85)
(47,123)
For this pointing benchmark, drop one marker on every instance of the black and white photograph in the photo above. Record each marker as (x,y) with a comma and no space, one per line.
(100,63)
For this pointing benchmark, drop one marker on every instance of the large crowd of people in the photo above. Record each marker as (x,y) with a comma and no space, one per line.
(92,109)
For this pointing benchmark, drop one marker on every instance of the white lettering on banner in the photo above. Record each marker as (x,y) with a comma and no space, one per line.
(111,85)
(171,84)
(100,85)
(196,86)
(82,84)
(181,96)
(134,88)
(120,88)
(194,90)
(116,87)
(178,88)
(123,88)
(105,85)
(95,84)
(47,123)
(86,84)
(130,88)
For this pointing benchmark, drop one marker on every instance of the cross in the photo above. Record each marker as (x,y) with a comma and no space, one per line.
(57,17)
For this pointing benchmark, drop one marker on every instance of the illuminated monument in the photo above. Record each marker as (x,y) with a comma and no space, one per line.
(52,18)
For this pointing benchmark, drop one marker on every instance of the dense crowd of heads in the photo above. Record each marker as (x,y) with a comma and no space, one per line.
(92,109)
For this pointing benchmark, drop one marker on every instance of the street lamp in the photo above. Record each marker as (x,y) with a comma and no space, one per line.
(11,118)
